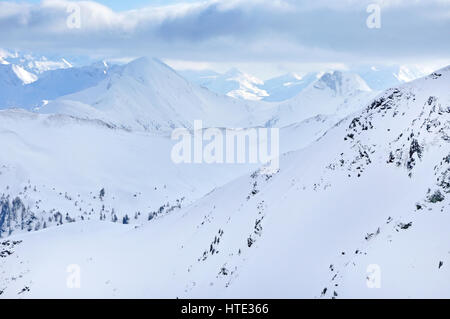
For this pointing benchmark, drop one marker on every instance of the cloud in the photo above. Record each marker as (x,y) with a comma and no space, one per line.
(235,30)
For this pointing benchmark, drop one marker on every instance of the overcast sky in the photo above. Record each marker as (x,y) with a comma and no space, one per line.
(262,35)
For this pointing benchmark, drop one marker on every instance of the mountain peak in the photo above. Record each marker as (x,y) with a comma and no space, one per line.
(16,75)
(342,82)
(332,80)
(146,68)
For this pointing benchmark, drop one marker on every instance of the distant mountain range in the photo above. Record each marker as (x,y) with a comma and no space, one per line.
(33,63)
(241,85)
(29,81)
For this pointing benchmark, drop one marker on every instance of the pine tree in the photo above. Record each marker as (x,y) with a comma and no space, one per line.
(102,194)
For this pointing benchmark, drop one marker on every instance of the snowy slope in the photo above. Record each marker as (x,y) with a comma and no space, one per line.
(13,79)
(233,83)
(322,215)
(13,75)
(287,86)
(372,191)
(47,151)
(334,93)
(57,165)
(381,77)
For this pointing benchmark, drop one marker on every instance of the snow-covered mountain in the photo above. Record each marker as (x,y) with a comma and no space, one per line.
(233,83)
(148,95)
(338,210)
(12,75)
(381,77)
(33,91)
(35,64)
(335,215)
(284,87)
(333,93)
(16,75)
(29,81)
(287,86)
(13,78)
(244,86)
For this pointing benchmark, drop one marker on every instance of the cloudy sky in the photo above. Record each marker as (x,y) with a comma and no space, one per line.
(263,36)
